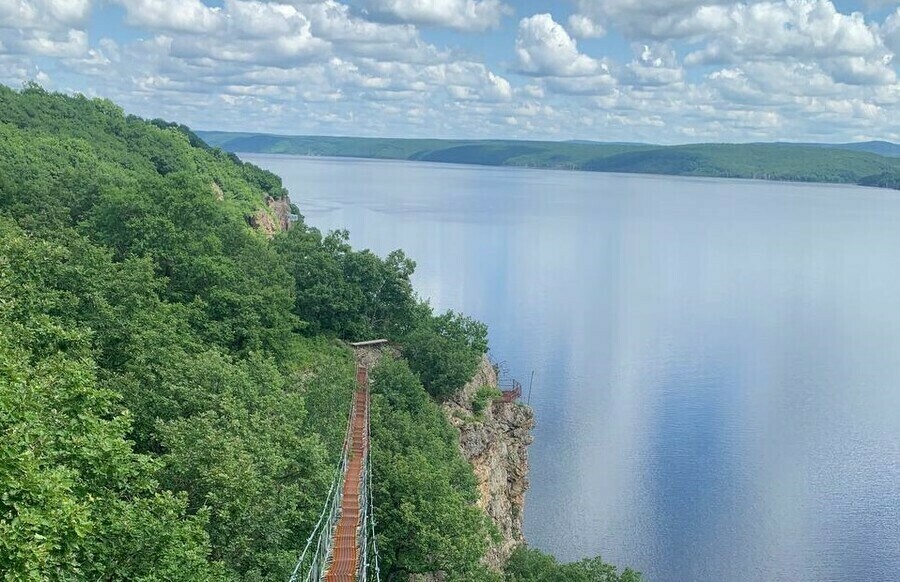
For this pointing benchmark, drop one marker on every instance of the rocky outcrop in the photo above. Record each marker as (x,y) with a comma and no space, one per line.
(276,217)
(218,192)
(281,211)
(495,441)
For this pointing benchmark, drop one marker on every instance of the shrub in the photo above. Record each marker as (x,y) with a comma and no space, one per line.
(483,397)
(444,351)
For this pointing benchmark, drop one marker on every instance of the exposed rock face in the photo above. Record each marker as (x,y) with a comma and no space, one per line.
(369,355)
(276,218)
(218,192)
(281,210)
(496,444)
(262,221)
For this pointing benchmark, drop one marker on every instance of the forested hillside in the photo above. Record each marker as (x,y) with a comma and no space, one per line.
(174,383)
(838,163)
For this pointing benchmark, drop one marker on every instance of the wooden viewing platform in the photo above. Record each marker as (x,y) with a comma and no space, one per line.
(368,343)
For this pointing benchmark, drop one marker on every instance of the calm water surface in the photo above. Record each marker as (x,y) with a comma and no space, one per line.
(717,363)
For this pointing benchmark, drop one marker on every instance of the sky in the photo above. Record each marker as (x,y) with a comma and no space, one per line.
(660,71)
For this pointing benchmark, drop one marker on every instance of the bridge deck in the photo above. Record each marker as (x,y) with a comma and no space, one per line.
(345,554)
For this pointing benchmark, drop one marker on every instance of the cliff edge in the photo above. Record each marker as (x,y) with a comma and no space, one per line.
(495,441)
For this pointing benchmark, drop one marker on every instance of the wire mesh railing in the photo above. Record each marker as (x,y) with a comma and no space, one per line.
(315,563)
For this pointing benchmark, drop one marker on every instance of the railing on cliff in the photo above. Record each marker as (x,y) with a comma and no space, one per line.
(510,389)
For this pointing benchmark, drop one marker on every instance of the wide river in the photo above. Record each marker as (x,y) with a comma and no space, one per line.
(716,362)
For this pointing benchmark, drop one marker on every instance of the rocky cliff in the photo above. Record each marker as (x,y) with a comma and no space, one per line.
(275,217)
(495,441)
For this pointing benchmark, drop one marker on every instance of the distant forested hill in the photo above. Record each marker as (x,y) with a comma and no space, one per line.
(882,148)
(869,163)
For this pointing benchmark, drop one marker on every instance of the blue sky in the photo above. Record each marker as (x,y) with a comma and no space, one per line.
(664,71)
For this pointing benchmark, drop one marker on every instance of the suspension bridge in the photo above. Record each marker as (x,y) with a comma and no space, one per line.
(342,546)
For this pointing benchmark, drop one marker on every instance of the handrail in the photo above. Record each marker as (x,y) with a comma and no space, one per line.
(370,506)
(510,389)
(323,547)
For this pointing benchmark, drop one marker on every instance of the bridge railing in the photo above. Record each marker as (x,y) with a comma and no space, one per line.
(315,563)
(362,533)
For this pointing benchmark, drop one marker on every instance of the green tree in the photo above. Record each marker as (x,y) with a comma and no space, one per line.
(424,490)
(444,351)
(531,565)
(77,502)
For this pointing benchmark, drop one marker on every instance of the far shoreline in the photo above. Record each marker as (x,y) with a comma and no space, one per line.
(680,177)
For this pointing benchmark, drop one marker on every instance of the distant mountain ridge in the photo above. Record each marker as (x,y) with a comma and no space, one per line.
(882,148)
(873,163)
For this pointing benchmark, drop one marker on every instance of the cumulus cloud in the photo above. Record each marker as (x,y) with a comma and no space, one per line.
(648,19)
(257,64)
(544,48)
(466,15)
(47,28)
(43,14)
(173,15)
(654,65)
(729,32)
(800,29)
(73,44)
(582,26)
(891,31)
(861,71)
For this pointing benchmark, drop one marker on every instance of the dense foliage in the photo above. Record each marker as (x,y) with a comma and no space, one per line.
(77,502)
(530,565)
(445,350)
(424,490)
(172,394)
(862,163)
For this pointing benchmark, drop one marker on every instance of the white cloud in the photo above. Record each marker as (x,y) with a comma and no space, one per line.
(73,44)
(313,65)
(891,31)
(544,48)
(333,21)
(467,15)
(861,71)
(654,65)
(48,28)
(814,32)
(582,26)
(173,15)
(751,69)
(43,14)
(654,19)
(728,31)
(799,29)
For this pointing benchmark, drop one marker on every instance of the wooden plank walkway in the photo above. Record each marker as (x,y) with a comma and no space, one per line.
(345,554)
